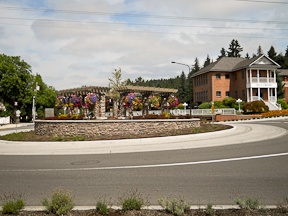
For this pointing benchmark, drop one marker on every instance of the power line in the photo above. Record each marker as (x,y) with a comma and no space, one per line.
(142,15)
(142,24)
(274,2)
(148,32)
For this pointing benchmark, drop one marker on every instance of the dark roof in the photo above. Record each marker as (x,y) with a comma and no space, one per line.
(228,64)
(283,72)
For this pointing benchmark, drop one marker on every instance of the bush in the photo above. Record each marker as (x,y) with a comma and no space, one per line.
(230,102)
(174,206)
(255,107)
(132,200)
(206,105)
(209,209)
(12,204)
(250,203)
(102,207)
(61,202)
(283,103)
(180,106)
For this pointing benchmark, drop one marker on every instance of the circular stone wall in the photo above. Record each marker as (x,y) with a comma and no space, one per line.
(110,127)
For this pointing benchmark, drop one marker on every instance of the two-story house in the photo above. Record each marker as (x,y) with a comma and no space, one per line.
(248,79)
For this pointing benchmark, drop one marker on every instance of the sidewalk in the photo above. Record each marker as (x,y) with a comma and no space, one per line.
(240,133)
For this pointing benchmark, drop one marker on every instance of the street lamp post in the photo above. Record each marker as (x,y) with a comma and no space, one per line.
(190,99)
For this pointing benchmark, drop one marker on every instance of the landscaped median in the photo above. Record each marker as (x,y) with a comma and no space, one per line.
(132,203)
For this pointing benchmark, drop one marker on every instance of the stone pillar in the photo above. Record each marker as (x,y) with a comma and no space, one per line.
(122,107)
(102,105)
(96,109)
(164,100)
(115,109)
(145,103)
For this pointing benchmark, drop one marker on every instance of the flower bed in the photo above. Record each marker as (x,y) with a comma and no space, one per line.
(275,113)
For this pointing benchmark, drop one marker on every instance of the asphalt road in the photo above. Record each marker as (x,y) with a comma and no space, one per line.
(213,180)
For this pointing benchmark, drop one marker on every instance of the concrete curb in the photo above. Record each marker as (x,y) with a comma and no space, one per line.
(152,207)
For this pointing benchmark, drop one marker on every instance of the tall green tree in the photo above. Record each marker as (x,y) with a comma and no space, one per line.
(280,86)
(259,50)
(272,53)
(247,56)
(182,90)
(16,81)
(234,49)
(222,52)
(116,81)
(196,66)
(207,61)
(46,96)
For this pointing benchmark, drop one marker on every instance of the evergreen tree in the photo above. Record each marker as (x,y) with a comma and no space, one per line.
(259,50)
(247,56)
(182,94)
(235,49)
(285,65)
(196,65)
(280,85)
(272,53)
(207,61)
(223,53)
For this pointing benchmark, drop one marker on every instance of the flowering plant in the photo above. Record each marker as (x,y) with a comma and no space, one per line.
(61,102)
(91,99)
(154,101)
(74,101)
(132,101)
(173,102)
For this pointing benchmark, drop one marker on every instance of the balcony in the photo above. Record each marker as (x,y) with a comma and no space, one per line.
(261,82)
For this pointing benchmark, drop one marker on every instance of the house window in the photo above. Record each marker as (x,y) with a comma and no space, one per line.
(243,93)
(218,93)
(227,76)
(235,76)
(236,94)
(218,76)
(227,93)
(242,74)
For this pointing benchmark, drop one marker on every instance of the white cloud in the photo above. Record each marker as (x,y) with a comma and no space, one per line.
(72,54)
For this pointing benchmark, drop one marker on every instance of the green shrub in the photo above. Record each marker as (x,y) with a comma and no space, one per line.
(180,106)
(132,200)
(102,207)
(283,103)
(209,209)
(12,203)
(174,206)
(61,202)
(255,107)
(206,105)
(250,203)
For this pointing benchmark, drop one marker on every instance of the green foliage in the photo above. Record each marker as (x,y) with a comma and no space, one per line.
(12,203)
(280,86)
(61,202)
(235,49)
(174,205)
(132,200)
(206,105)
(102,207)
(209,209)
(230,102)
(115,82)
(255,107)
(249,203)
(283,103)
(181,107)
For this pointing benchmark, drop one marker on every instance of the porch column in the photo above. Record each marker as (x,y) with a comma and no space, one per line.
(248,95)
(250,75)
(247,77)
(275,94)
(251,93)
(259,94)
(274,76)
(267,76)
(268,94)
(258,80)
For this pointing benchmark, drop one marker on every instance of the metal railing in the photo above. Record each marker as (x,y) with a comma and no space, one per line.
(4,120)
(194,112)
(261,80)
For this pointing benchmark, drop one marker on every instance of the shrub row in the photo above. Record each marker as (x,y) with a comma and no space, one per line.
(62,201)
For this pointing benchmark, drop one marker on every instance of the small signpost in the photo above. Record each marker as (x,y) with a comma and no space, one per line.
(18,112)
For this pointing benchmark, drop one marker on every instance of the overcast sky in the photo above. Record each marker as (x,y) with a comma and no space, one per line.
(72,43)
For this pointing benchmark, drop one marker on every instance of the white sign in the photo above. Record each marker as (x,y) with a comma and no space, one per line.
(263,84)
(18,113)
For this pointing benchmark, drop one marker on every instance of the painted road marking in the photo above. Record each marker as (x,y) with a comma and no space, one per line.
(152,166)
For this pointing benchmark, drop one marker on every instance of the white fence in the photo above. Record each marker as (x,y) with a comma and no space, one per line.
(4,120)
(195,112)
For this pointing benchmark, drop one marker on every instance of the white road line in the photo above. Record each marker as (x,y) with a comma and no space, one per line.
(152,166)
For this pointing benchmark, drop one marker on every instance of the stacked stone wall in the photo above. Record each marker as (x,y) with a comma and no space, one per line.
(110,127)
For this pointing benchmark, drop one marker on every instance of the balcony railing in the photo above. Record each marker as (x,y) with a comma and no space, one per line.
(261,80)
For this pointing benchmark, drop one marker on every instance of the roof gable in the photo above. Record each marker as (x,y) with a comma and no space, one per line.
(264,60)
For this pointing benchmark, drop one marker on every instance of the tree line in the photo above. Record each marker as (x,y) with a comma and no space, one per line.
(182,82)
